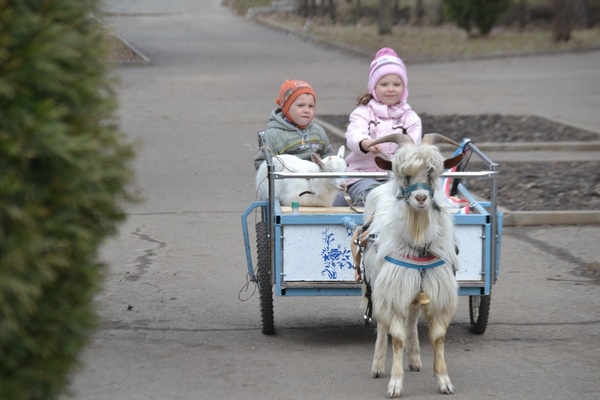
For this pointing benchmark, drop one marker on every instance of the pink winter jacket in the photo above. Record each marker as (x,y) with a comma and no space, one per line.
(376,120)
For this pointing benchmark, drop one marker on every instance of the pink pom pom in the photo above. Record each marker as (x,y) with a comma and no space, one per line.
(386,51)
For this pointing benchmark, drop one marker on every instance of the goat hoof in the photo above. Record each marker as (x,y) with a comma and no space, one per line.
(414,367)
(446,386)
(394,389)
(378,374)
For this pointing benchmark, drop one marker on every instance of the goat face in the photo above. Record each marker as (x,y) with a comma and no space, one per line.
(417,169)
(333,164)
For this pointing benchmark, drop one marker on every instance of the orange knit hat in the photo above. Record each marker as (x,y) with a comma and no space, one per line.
(290,90)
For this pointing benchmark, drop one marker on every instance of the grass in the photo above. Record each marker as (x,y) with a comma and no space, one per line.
(444,43)
(423,43)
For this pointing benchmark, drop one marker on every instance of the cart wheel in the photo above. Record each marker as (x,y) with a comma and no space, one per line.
(265,281)
(479,311)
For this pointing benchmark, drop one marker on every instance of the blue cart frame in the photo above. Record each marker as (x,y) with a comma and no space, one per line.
(278,265)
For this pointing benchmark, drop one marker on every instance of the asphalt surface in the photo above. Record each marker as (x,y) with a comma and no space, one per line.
(174,327)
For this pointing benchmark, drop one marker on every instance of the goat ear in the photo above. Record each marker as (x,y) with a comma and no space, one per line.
(341,151)
(383,163)
(453,161)
(315,158)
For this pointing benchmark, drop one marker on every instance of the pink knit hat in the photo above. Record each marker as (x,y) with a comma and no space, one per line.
(387,62)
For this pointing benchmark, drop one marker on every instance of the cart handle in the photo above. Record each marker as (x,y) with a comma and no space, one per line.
(245,214)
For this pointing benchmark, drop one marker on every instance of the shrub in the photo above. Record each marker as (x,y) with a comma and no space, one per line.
(63,177)
(482,14)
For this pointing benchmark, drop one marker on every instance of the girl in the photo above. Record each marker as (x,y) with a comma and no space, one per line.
(380,112)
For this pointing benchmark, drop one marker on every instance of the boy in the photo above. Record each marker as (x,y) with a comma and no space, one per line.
(290,127)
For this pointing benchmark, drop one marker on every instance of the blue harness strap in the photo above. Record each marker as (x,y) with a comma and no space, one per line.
(404,193)
(416,263)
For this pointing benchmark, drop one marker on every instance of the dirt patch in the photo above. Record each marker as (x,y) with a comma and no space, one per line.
(552,186)
(523,186)
(492,128)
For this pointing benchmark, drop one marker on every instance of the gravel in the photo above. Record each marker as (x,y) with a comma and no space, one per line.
(522,186)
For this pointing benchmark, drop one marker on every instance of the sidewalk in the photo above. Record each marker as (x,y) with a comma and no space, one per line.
(173,327)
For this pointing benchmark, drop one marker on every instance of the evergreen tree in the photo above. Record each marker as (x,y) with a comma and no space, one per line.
(481,14)
(64,169)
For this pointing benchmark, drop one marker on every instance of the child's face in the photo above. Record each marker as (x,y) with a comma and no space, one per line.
(302,110)
(389,89)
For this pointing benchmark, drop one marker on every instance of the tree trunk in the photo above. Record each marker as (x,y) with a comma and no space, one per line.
(313,8)
(521,14)
(395,12)
(583,14)
(564,16)
(385,17)
(302,8)
(357,12)
(417,13)
(435,13)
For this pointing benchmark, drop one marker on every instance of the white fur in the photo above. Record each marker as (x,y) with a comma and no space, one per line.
(315,192)
(402,228)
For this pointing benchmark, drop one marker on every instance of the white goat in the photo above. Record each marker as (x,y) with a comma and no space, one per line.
(411,262)
(315,192)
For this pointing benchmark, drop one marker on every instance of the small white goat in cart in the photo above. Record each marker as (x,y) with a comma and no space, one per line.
(410,260)
(314,192)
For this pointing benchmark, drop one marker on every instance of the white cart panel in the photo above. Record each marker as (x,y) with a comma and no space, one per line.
(470,256)
(317,253)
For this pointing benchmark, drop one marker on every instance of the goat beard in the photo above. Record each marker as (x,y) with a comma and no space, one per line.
(417,226)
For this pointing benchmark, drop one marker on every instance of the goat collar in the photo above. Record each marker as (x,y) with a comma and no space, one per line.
(416,262)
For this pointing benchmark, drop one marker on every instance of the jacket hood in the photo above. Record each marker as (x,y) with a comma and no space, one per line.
(388,112)
(277,120)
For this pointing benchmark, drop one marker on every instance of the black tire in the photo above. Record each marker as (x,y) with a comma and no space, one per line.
(264,278)
(479,312)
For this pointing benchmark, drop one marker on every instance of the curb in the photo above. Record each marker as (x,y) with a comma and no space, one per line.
(525,218)
(145,61)
(532,218)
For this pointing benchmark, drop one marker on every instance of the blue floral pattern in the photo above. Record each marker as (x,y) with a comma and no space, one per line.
(335,257)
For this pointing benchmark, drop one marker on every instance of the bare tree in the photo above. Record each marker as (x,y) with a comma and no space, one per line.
(417,13)
(435,13)
(564,19)
(583,14)
(356,10)
(385,17)
(303,8)
(521,14)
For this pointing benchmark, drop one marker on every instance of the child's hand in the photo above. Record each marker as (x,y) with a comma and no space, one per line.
(373,149)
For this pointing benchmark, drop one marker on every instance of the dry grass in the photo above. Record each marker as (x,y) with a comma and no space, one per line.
(445,43)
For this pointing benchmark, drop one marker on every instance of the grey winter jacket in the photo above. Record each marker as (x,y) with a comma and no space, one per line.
(283,137)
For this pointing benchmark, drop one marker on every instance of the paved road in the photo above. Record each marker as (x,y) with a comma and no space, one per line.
(173,325)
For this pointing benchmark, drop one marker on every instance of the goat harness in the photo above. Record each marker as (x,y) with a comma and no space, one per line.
(404,193)
(420,263)
(360,238)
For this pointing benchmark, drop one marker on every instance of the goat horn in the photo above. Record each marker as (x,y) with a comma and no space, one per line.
(393,138)
(432,138)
